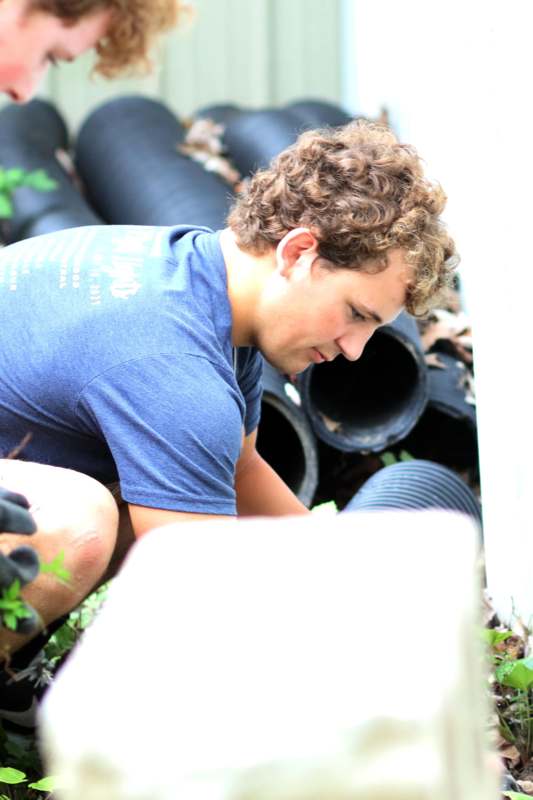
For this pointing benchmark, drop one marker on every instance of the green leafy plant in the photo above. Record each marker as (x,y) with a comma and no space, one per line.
(19,750)
(388,457)
(10,777)
(12,605)
(13,178)
(513,691)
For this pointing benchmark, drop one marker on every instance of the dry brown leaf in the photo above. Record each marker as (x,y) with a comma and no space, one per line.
(66,162)
(203,143)
(489,614)
(207,135)
(510,754)
(330,424)
(433,332)
(444,324)
(513,647)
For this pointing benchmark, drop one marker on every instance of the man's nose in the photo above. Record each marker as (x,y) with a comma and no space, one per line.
(24,89)
(352,344)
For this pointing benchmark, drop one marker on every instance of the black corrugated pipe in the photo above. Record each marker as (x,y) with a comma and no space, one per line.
(318,113)
(285,439)
(219,113)
(446,432)
(416,484)
(30,136)
(254,138)
(128,158)
(369,404)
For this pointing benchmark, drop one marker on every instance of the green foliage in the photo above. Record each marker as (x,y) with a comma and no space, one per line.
(66,637)
(517,796)
(47,784)
(388,458)
(493,637)
(21,749)
(329,507)
(516,674)
(10,775)
(14,777)
(55,567)
(513,693)
(14,178)
(12,606)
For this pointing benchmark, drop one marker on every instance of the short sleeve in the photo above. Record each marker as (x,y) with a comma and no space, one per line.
(173,424)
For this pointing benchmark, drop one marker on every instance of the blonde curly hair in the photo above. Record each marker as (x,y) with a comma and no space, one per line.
(134,25)
(362,193)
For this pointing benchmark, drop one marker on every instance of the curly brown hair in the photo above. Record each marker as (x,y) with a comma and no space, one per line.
(134,25)
(362,193)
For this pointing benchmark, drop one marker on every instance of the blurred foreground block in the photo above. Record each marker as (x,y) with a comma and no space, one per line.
(315,658)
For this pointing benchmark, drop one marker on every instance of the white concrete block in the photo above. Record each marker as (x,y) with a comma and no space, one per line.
(308,658)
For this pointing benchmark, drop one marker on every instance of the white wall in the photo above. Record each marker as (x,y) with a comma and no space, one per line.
(456,78)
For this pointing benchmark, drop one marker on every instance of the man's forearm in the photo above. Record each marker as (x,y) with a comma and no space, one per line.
(261,492)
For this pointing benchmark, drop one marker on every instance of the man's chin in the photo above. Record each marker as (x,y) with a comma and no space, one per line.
(288,366)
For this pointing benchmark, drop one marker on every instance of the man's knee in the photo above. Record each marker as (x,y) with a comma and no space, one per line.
(77,520)
(88,529)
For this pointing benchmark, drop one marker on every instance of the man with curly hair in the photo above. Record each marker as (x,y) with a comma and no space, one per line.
(37,33)
(33,35)
(143,367)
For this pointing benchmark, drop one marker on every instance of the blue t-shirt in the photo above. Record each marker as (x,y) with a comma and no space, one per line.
(116,357)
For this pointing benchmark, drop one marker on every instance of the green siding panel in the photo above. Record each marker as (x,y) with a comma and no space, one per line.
(253,53)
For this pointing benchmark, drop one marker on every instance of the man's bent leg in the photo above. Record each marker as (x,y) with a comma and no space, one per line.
(76,516)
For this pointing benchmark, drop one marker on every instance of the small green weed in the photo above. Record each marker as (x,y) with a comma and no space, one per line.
(10,777)
(513,690)
(12,605)
(388,457)
(22,780)
(14,178)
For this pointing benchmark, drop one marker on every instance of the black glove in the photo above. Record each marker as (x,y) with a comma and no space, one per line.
(22,563)
(14,514)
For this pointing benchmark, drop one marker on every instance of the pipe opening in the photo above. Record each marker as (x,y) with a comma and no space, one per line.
(280,445)
(444,438)
(380,395)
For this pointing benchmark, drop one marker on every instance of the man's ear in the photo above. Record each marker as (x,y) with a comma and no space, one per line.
(295,244)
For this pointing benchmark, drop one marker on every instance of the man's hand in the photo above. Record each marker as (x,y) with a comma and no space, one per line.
(22,564)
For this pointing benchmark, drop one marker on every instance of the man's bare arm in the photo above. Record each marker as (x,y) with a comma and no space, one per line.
(144,519)
(260,490)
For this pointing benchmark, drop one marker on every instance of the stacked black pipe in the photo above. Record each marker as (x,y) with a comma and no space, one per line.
(317,113)
(416,484)
(128,157)
(446,432)
(254,137)
(31,136)
(285,438)
(370,404)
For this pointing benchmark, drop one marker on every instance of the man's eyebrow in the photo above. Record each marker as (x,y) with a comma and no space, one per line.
(371,314)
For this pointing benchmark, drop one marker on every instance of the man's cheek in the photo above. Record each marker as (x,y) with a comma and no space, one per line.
(9,73)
